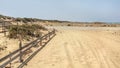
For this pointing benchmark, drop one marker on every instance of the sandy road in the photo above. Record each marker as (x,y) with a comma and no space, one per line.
(80,49)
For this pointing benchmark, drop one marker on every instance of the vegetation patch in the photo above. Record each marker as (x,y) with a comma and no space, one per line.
(25,31)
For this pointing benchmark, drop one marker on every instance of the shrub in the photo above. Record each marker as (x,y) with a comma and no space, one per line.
(25,31)
(68,24)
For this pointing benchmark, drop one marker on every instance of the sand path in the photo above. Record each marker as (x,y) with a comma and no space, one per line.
(79,49)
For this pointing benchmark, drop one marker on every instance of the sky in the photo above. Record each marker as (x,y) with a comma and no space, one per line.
(66,10)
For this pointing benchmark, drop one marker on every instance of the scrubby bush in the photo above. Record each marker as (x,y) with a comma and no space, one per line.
(25,31)
(68,24)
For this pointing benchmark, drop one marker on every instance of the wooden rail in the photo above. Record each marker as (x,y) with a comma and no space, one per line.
(16,54)
(3,31)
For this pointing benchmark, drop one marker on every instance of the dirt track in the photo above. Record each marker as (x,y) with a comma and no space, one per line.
(80,49)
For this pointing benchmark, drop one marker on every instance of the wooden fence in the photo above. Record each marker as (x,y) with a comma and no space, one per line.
(17,54)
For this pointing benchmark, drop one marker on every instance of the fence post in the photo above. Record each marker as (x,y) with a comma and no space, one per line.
(20,47)
(3,28)
(49,35)
(10,59)
(53,31)
(40,42)
(46,37)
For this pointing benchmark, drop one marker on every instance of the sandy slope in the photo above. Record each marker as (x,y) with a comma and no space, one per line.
(74,48)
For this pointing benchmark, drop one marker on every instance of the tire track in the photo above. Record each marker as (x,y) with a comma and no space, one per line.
(67,51)
(101,56)
(102,52)
(73,43)
(80,46)
(68,56)
(94,50)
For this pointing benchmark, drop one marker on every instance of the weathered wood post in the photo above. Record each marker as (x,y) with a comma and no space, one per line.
(46,37)
(3,28)
(53,32)
(10,62)
(41,42)
(20,46)
(49,35)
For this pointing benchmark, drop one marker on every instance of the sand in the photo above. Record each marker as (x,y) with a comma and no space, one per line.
(75,47)
(9,45)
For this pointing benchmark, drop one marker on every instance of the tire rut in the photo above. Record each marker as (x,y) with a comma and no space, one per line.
(102,53)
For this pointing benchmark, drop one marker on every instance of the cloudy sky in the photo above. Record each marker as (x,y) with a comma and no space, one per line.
(71,10)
